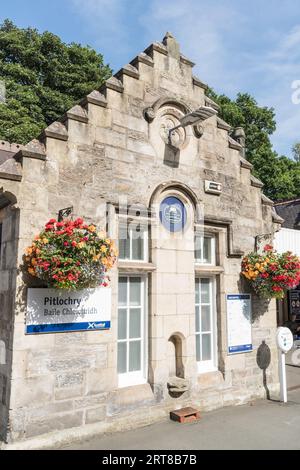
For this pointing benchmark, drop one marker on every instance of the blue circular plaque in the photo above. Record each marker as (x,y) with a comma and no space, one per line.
(172,214)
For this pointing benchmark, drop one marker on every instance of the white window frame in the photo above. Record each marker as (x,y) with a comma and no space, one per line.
(212,237)
(212,364)
(137,377)
(126,225)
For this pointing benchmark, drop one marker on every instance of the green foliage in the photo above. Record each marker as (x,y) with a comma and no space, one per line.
(43,77)
(280,175)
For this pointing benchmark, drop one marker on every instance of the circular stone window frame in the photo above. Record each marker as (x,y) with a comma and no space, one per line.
(188,205)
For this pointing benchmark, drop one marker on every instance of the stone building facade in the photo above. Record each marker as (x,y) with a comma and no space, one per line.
(109,153)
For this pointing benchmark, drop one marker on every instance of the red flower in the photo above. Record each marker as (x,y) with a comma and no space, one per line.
(74,243)
(268,248)
(51,222)
(66,244)
(59,224)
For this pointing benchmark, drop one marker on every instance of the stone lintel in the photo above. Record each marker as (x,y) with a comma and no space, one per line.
(131,266)
(77,113)
(223,125)
(143,59)
(96,98)
(209,270)
(245,163)
(199,83)
(256,182)
(233,144)
(129,70)
(56,130)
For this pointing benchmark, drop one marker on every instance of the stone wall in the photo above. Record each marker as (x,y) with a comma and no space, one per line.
(111,146)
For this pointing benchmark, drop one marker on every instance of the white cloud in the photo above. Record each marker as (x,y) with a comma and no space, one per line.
(235,48)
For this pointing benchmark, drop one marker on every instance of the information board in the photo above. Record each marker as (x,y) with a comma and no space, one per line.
(239,329)
(53,310)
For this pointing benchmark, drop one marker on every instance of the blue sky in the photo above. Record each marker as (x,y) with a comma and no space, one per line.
(237,45)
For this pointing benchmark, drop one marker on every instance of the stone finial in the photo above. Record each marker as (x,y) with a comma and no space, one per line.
(11,170)
(56,130)
(77,113)
(239,136)
(172,45)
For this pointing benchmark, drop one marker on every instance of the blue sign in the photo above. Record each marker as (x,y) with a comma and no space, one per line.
(173,214)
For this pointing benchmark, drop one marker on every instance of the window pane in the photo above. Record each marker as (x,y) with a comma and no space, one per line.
(124,243)
(205,291)
(197,288)
(198,357)
(122,323)
(134,356)
(205,318)
(138,247)
(135,323)
(197,319)
(123,291)
(207,254)
(198,247)
(135,291)
(122,350)
(206,347)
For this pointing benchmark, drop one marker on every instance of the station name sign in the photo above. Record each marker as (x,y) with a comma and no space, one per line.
(51,310)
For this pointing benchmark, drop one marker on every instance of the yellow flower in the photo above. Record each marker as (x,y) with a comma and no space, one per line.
(96,257)
(81,244)
(91,228)
(31,271)
(45,241)
(33,261)
(103,249)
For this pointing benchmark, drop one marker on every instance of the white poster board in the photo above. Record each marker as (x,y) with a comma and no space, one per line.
(54,310)
(239,316)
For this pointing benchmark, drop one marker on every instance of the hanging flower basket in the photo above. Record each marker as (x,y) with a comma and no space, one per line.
(270,274)
(71,255)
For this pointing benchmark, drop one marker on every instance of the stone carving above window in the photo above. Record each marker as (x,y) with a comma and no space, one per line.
(169,118)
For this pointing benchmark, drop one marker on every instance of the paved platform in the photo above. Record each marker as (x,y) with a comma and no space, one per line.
(263,424)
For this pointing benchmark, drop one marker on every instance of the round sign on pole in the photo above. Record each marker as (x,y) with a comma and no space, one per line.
(284,339)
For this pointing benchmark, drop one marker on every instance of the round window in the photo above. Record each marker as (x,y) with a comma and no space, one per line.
(173,214)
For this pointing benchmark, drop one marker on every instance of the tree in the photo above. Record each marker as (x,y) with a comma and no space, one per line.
(296,152)
(280,175)
(43,78)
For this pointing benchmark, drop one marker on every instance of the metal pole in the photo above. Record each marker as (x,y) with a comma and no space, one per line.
(282,376)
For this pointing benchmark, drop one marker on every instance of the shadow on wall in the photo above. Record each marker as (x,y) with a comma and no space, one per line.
(259,306)
(263,360)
